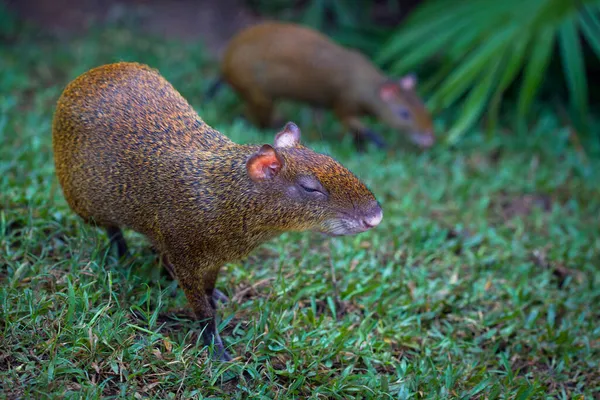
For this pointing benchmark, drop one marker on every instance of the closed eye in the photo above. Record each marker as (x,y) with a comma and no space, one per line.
(309,189)
(311,186)
(404,114)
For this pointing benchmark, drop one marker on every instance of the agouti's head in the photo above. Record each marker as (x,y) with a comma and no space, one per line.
(404,111)
(306,190)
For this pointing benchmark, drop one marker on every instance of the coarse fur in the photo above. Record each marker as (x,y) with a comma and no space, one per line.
(130,152)
(275,60)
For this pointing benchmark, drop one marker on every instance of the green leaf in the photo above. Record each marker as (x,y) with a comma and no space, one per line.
(315,14)
(514,57)
(541,46)
(590,27)
(343,12)
(413,37)
(573,66)
(463,77)
(474,105)
(415,58)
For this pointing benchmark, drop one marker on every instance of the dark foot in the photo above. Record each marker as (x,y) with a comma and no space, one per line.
(215,346)
(217,295)
(116,238)
(372,137)
(173,290)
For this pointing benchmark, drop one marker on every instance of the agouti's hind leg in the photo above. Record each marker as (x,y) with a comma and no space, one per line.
(214,294)
(191,275)
(115,235)
(259,109)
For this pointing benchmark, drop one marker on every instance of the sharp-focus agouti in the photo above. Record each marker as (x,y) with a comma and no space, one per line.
(130,152)
(275,60)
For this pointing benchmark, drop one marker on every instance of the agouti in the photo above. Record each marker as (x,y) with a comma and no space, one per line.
(130,152)
(275,60)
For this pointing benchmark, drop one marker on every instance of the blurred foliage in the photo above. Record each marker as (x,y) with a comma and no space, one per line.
(477,57)
(8,23)
(348,22)
(483,46)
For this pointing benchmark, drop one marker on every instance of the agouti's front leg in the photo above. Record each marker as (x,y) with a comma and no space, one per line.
(215,295)
(192,275)
(361,133)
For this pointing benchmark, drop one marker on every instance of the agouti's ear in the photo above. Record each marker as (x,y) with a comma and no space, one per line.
(408,82)
(264,164)
(289,136)
(389,90)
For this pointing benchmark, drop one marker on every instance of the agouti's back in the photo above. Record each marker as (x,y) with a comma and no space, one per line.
(290,61)
(275,60)
(118,134)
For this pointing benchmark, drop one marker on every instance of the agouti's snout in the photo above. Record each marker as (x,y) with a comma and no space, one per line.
(372,217)
(361,220)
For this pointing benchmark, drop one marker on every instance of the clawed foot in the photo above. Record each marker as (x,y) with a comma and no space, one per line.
(217,296)
(361,139)
(218,353)
(215,347)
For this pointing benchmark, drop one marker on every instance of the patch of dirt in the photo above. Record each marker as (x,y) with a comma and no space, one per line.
(559,270)
(213,22)
(6,361)
(243,293)
(15,392)
(522,205)
(535,368)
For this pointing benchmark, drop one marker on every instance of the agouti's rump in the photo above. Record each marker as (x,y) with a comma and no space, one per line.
(130,152)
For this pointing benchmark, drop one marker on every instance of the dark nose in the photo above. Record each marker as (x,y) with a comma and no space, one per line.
(373,216)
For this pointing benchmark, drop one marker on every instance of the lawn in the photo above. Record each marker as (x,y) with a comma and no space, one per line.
(481,282)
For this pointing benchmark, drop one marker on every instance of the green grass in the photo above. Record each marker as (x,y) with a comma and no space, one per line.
(481,282)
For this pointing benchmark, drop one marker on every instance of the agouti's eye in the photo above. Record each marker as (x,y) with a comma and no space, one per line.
(311,186)
(309,189)
(404,114)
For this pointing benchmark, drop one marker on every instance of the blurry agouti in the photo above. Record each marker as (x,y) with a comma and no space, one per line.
(130,152)
(275,60)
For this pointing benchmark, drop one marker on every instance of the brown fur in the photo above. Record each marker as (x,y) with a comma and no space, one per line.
(131,152)
(275,60)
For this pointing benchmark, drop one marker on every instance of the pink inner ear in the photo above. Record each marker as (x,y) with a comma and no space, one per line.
(388,91)
(263,165)
(408,82)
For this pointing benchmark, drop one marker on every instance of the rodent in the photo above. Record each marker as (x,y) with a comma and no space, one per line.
(130,152)
(284,61)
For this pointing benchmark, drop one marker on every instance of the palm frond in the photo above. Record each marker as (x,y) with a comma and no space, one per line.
(473,38)
(573,65)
